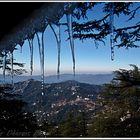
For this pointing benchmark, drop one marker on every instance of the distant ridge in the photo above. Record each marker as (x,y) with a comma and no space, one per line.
(97,79)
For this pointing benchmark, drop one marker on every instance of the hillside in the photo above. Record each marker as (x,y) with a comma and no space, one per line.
(59,98)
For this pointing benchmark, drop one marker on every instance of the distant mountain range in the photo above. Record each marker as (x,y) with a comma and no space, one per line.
(58,98)
(98,79)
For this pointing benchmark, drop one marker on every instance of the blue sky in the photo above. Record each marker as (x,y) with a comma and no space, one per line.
(88,58)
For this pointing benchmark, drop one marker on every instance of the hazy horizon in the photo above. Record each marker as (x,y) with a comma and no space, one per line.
(95,79)
(65,73)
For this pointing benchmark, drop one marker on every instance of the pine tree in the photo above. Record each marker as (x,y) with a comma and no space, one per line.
(119,115)
(99,29)
(8,67)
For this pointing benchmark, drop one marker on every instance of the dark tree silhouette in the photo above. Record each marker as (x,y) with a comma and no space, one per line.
(8,67)
(99,29)
(15,121)
(127,78)
(119,113)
